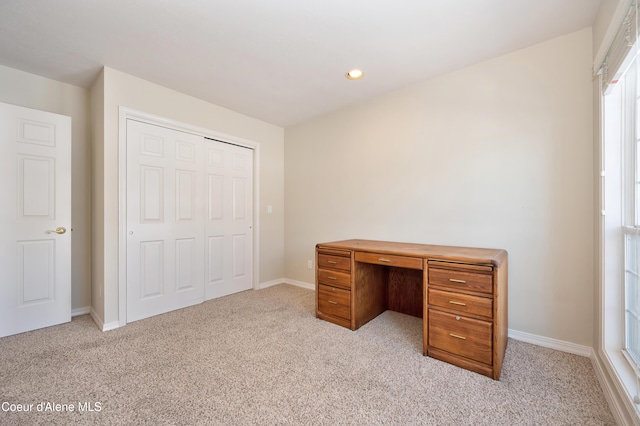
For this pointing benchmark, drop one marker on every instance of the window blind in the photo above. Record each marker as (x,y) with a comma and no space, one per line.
(616,59)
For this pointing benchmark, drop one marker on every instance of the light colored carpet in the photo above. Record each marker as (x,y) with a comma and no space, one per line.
(261,357)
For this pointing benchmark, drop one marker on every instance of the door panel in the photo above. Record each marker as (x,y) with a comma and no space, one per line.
(36,187)
(152,194)
(152,271)
(239,258)
(165,220)
(239,198)
(35,265)
(36,132)
(185,195)
(186,273)
(215,199)
(229,218)
(215,247)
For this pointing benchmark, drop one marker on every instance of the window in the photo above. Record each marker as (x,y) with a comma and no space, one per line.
(621,239)
(630,195)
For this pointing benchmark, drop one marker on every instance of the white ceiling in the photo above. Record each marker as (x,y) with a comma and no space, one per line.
(281,61)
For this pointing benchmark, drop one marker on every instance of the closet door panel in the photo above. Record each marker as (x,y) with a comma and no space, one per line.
(229,222)
(165,220)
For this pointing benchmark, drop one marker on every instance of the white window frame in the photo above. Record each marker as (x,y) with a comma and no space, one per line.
(630,188)
(621,217)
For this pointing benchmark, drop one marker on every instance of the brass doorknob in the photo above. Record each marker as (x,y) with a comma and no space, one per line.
(58,230)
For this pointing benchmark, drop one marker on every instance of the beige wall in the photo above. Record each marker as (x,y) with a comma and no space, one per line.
(32,91)
(128,91)
(499,154)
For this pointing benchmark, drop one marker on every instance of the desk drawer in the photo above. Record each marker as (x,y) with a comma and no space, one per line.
(334,262)
(461,279)
(334,278)
(389,260)
(481,306)
(334,301)
(460,335)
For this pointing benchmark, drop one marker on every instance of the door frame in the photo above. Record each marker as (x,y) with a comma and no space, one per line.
(124,114)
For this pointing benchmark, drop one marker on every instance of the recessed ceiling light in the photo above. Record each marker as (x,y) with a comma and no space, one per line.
(355,74)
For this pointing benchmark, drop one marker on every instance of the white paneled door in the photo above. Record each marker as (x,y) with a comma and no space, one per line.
(165,242)
(229,245)
(178,185)
(35,219)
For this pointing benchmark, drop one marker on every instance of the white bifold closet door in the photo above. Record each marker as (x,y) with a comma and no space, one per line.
(165,241)
(183,242)
(229,245)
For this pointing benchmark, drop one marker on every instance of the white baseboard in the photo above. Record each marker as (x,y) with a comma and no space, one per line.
(618,407)
(80,311)
(96,318)
(101,325)
(270,283)
(296,283)
(548,342)
(302,284)
(111,326)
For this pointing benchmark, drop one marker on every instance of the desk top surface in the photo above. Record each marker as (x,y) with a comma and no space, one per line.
(461,254)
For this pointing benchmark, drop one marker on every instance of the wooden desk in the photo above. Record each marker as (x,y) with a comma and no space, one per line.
(459,292)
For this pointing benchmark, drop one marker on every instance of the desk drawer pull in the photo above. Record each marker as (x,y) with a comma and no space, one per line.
(332,278)
(333,262)
(382,259)
(457,303)
(457,336)
(453,280)
(332,302)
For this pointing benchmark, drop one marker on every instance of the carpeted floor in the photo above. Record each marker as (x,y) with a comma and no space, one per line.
(261,357)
